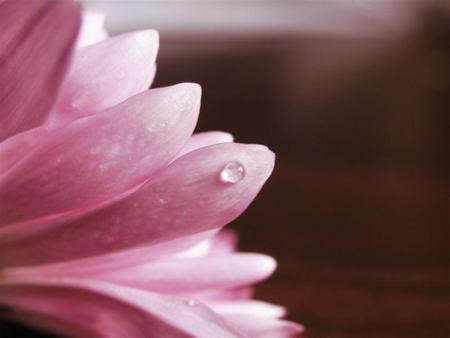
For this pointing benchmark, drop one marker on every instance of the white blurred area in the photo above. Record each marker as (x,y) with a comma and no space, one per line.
(266,17)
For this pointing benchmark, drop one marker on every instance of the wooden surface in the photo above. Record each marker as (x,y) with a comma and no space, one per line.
(357,210)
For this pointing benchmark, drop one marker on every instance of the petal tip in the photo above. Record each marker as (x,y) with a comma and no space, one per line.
(188,95)
(147,35)
(146,42)
(268,264)
(189,87)
(263,158)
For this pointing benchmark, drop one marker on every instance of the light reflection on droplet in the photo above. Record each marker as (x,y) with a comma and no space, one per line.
(233,172)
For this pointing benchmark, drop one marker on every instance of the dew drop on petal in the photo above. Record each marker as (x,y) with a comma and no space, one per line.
(233,172)
(192,302)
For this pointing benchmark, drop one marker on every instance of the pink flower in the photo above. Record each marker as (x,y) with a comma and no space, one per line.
(111,208)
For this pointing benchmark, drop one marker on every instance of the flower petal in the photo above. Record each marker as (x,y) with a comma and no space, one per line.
(105,74)
(92,29)
(33,59)
(262,327)
(222,242)
(185,276)
(205,139)
(115,261)
(247,308)
(104,310)
(186,198)
(15,148)
(99,157)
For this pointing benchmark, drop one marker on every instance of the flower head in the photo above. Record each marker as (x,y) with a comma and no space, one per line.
(111,209)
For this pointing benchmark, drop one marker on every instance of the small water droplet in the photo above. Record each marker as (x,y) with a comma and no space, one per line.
(162,200)
(233,172)
(192,302)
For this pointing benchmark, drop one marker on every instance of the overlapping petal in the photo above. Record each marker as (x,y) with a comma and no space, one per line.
(260,327)
(117,260)
(186,198)
(257,319)
(15,148)
(205,139)
(104,74)
(111,209)
(98,157)
(219,242)
(88,308)
(190,275)
(33,59)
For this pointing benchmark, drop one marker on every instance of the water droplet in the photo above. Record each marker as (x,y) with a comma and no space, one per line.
(162,200)
(233,172)
(192,302)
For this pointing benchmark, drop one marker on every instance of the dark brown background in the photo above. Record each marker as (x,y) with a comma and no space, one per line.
(357,210)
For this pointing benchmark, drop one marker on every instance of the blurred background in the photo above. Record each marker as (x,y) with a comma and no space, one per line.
(353,96)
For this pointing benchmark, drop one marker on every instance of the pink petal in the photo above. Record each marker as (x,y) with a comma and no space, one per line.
(98,157)
(262,327)
(247,308)
(115,261)
(183,276)
(200,249)
(220,243)
(15,148)
(33,59)
(105,74)
(224,242)
(92,30)
(88,308)
(186,198)
(205,139)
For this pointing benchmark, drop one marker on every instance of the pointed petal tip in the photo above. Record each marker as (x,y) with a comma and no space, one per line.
(263,148)
(191,88)
(143,43)
(106,73)
(261,158)
(148,38)
(226,137)
(186,96)
(292,329)
(152,34)
(248,307)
